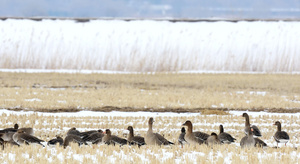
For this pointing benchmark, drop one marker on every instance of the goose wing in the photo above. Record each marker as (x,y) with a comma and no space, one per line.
(118,140)
(200,135)
(259,143)
(256,131)
(138,140)
(281,136)
(94,137)
(30,138)
(226,138)
(162,139)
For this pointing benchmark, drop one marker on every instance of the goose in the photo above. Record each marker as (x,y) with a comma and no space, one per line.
(248,140)
(155,138)
(8,136)
(135,140)
(16,128)
(194,137)
(256,131)
(225,137)
(95,137)
(112,139)
(73,131)
(20,137)
(281,136)
(73,138)
(181,139)
(212,140)
(27,130)
(57,140)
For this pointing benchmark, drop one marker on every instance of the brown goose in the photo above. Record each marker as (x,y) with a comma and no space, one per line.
(57,140)
(194,137)
(7,136)
(73,131)
(27,130)
(112,139)
(95,137)
(20,137)
(225,137)
(16,128)
(248,140)
(155,138)
(135,140)
(181,139)
(281,136)
(212,140)
(256,131)
(73,138)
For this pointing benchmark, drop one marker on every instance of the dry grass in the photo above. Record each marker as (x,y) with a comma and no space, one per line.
(212,111)
(46,127)
(54,92)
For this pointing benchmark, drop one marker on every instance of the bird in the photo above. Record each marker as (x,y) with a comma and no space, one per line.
(95,137)
(74,131)
(212,140)
(194,137)
(112,139)
(16,128)
(281,136)
(256,131)
(181,139)
(28,130)
(248,140)
(73,138)
(20,137)
(57,140)
(155,138)
(8,136)
(134,140)
(225,137)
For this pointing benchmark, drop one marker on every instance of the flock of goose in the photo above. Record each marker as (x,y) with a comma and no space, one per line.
(19,136)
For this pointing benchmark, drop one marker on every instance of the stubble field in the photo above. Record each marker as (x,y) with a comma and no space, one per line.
(52,92)
(208,100)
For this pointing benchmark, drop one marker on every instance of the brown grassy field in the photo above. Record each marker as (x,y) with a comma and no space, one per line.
(55,92)
(46,127)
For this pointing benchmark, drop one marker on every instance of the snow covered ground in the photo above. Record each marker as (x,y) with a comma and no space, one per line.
(149,46)
(232,123)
